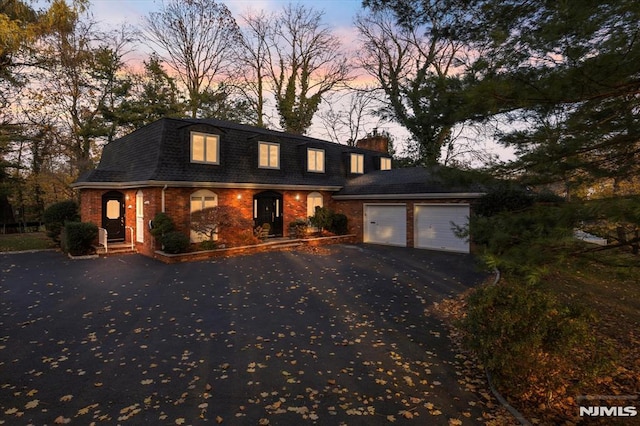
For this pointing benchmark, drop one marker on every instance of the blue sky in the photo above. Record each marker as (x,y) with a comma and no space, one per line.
(339,14)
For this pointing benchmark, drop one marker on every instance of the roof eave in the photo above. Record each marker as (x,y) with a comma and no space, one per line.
(418,196)
(185,184)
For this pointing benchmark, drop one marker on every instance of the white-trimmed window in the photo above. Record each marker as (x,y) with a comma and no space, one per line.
(385,163)
(205,148)
(200,200)
(268,155)
(315,160)
(357,163)
(314,200)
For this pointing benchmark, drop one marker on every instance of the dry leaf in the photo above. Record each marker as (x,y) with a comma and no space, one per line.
(32,404)
(66,398)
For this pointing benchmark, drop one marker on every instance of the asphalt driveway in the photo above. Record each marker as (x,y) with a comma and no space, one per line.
(338,336)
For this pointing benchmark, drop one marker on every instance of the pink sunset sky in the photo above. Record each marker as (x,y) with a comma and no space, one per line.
(338,15)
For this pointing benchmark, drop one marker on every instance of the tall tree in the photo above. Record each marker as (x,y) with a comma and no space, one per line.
(197,39)
(253,61)
(19,27)
(82,79)
(350,116)
(569,73)
(305,63)
(416,66)
(155,95)
(564,75)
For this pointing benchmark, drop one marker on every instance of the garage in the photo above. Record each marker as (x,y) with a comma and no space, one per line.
(385,224)
(432,226)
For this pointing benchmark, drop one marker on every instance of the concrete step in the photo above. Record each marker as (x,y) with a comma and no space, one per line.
(115,248)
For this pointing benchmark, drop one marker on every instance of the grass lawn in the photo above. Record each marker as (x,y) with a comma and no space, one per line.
(25,241)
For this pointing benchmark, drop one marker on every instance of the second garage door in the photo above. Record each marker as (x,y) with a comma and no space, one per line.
(385,224)
(432,226)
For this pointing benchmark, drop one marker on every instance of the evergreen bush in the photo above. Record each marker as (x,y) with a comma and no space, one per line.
(56,215)
(78,238)
(161,224)
(522,334)
(325,218)
(175,242)
(339,224)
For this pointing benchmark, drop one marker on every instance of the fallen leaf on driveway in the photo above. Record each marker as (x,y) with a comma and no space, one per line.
(32,404)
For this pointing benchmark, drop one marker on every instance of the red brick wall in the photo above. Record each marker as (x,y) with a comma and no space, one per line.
(91,211)
(177,206)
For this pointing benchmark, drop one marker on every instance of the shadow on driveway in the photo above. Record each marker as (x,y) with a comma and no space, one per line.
(334,337)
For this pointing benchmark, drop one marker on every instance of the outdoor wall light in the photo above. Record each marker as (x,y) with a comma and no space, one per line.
(297,197)
(239,196)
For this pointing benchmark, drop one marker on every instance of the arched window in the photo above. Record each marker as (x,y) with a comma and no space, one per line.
(314,200)
(200,200)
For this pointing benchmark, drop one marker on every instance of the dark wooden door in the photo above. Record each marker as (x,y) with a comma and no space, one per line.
(113,211)
(268,209)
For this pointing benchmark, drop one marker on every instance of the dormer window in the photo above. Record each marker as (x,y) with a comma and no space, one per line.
(269,155)
(357,163)
(205,148)
(315,160)
(385,163)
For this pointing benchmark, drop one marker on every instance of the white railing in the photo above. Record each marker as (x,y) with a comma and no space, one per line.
(132,240)
(102,238)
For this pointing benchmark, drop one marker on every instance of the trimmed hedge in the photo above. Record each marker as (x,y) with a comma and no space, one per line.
(78,237)
(56,215)
(175,242)
(325,218)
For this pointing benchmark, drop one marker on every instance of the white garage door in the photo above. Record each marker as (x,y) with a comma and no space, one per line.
(385,224)
(432,226)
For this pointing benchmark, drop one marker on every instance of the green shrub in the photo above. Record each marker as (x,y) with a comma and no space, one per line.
(339,224)
(78,238)
(329,220)
(522,333)
(56,215)
(208,245)
(161,224)
(175,242)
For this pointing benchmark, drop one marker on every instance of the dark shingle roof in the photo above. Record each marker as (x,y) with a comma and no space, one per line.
(413,180)
(160,152)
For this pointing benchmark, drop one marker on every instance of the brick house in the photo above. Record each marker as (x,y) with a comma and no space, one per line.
(179,166)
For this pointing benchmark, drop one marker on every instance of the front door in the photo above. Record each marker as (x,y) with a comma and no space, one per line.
(267,209)
(113,215)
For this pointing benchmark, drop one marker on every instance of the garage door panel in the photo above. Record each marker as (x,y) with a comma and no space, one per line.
(433,227)
(385,224)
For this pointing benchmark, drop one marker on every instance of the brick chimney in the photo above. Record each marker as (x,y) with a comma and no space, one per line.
(375,142)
